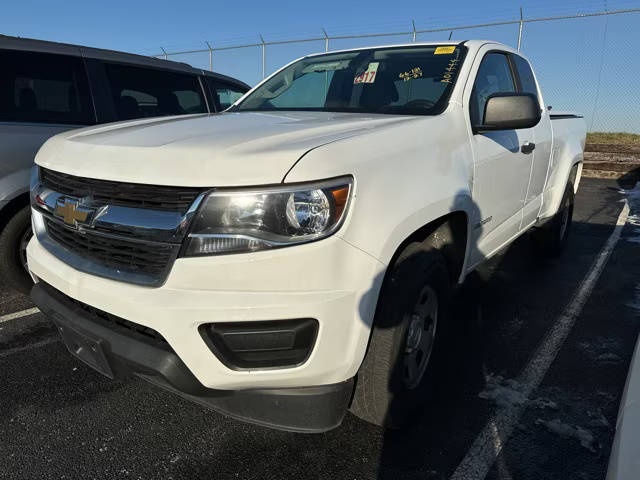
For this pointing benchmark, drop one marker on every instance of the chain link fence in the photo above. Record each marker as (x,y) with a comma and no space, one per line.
(585,62)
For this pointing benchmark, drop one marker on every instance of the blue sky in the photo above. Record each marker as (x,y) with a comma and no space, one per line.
(569,56)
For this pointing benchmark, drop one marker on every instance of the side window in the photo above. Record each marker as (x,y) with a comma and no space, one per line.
(494,76)
(225,94)
(527,80)
(44,88)
(143,92)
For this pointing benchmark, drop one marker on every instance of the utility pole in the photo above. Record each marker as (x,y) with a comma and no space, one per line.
(210,56)
(520,30)
(264,57)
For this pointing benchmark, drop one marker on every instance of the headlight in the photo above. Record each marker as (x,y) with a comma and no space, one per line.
(232,221)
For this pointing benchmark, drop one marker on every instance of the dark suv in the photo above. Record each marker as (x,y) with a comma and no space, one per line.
(47,88)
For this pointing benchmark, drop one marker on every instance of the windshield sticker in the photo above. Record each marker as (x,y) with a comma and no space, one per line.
(450,71)
(368,76)
(414,73)
(445,50)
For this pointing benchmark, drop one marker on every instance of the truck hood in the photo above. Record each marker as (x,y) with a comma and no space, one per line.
(228,149)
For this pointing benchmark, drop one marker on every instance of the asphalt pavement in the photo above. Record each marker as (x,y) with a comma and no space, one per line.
(60,419)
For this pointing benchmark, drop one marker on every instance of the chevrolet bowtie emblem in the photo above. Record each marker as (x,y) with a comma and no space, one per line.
(71,212)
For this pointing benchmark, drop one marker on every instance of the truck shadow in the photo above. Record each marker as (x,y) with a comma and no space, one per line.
(507,139)
(486,315)
(496,315)
(403,451)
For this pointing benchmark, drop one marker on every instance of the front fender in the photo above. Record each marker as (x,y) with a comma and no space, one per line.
(406,176)
(460,202)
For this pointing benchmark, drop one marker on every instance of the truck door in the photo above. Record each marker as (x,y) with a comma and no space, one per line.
(501,169)
(542,136)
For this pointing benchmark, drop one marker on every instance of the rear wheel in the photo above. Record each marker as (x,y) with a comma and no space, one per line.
(13,251)
(552,237)
(396,377)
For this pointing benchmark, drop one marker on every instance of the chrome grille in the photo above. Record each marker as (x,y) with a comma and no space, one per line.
(119,254)
(127,232)
(134,195)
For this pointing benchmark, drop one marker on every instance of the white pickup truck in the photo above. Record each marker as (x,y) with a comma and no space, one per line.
(293,257)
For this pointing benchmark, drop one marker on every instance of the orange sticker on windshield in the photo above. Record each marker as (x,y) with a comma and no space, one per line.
(445,50)
(368,76)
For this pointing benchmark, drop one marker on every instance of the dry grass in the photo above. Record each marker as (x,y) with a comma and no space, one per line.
(614,138)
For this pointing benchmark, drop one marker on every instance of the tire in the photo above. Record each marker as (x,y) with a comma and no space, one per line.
(386,393)
(552,237)
(13,240)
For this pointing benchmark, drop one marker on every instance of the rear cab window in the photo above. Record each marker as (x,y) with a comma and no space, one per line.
(139,92)
(525,74)
(44,88)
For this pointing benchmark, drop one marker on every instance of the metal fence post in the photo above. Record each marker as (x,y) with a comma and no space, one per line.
(413,24)
(264,57)
(520,30)
(210,56)
(326,40)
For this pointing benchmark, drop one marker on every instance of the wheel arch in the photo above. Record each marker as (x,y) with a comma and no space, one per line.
(567,159)
(13,206)
(575,174)
(449,234)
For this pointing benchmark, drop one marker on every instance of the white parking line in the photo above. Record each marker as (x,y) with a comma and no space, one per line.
(489,443)
(20,314)
(31,346)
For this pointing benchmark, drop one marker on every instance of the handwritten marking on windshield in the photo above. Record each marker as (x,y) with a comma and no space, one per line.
(450,71)
(411,74)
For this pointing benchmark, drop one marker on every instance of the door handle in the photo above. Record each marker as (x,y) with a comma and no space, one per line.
(528,147)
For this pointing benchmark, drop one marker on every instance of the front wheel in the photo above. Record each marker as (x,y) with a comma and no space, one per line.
(396,377)
(552,237)
(13,251)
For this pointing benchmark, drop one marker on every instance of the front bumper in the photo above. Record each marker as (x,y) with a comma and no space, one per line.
(117,354)
(330,281)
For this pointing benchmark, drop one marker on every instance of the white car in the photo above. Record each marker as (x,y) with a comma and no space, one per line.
(624,461)
(293,257)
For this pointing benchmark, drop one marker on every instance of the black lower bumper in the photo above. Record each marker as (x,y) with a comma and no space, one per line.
(116,354)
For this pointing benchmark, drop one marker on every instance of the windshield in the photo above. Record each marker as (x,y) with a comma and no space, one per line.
(397,80)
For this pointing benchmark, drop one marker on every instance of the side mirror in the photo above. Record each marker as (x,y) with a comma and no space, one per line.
(510,111)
